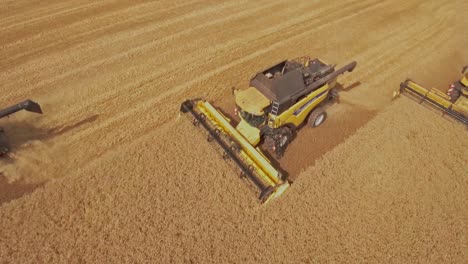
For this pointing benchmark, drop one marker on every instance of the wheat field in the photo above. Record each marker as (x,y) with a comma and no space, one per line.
(111,173)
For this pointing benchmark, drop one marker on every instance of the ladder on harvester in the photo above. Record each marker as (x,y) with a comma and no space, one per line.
(273,112)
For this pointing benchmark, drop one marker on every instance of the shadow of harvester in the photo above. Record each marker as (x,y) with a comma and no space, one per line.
(20,133)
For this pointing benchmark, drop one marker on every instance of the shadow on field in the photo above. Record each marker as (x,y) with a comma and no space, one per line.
(15,190)
(19,133)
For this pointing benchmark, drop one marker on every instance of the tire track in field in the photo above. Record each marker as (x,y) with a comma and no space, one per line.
(49,15)
(47,9)
(381,56)
(167,72)
(427,34)
(378,52)
(121,38)
(381,59)
(45,84)
(150,103)
(61,23)
(77,39)
(215,50)
(376,56)
(130,33)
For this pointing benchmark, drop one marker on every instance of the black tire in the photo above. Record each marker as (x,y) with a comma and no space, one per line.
(286,137)
(283,140)
(3,151)
(317,117)
(3,143)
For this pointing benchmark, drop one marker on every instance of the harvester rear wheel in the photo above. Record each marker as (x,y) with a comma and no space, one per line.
(317,117)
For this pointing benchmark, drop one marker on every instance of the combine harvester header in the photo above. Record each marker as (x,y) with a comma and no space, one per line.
(454,102)
(252,162)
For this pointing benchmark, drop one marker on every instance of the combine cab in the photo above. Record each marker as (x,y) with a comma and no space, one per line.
(27,105)
(453,103)
(277,101)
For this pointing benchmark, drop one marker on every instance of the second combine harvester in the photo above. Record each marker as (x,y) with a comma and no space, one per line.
(277,101)
(453,103)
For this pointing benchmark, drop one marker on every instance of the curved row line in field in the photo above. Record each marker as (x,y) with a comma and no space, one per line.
(79,34)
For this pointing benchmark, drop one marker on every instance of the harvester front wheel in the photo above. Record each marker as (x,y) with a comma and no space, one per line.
(317,117)
(454,95)
(3,145)
(282,141)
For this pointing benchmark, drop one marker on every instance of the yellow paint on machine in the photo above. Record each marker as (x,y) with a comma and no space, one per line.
(295,115)
(251,100)
(252,134)
(460,106)
(464,79)
(251,156)
(433,94)
(302,108)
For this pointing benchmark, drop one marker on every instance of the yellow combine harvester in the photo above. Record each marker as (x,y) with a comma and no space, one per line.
(454,102)
(277,101)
